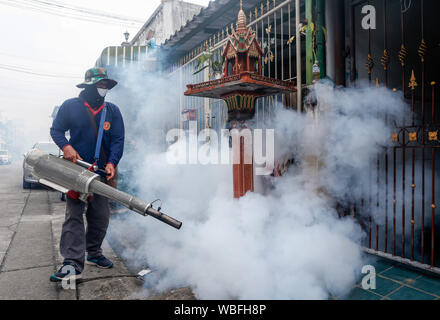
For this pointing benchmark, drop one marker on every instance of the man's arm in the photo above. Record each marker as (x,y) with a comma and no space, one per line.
(59,127)
(58,133)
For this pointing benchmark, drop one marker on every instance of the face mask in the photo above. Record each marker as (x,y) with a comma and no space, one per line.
(102,92)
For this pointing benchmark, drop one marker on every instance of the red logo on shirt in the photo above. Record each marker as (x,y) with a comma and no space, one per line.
(106,126)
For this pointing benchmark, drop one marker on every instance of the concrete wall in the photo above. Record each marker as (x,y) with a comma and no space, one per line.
(173,14)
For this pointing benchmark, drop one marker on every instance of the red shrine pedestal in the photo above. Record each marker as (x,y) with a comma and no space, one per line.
(240,87)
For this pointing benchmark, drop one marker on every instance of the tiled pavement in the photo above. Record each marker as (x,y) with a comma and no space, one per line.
(397,282)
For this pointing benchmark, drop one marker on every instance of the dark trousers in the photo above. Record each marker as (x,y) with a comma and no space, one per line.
(75,239)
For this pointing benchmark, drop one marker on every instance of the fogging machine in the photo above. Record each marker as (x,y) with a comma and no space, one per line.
(63,175)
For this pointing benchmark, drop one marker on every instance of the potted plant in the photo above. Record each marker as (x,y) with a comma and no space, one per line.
(206,60)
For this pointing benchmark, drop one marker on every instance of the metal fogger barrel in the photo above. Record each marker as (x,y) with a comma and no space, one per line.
(63,175)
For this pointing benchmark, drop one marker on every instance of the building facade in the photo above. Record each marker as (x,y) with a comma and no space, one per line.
(169,17)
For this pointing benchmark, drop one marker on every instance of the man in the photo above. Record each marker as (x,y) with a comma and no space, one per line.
(82,117)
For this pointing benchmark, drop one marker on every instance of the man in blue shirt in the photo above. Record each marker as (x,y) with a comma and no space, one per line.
(82,117)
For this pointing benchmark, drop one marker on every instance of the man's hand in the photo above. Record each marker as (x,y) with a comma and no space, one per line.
(110,169)
(71,154)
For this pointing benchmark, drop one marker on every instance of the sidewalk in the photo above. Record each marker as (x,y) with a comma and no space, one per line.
(96,284)
(30,228)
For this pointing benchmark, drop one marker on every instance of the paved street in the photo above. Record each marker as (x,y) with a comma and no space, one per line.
(30,226)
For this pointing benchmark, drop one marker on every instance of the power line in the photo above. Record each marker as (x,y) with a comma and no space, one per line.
(29,81)
(67,15)
(60,12)
(56,5)
(31,72)
(16,79)
(59,4)
(33,59)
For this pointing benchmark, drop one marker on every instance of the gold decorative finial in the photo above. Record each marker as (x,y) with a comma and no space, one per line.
(433,135)
(241,21)
(413,83)
(385,59)
(370,63)
(413,136)
(402,55)
(423,50)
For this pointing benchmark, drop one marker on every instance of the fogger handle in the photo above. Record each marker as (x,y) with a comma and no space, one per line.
(164,218)
(86,165)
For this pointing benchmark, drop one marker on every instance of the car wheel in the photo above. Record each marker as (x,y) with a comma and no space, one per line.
(26,185)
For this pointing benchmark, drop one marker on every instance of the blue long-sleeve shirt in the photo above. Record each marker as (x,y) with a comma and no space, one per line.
(73,116)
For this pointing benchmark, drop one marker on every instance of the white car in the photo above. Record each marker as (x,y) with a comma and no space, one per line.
(46,147)
(5,158)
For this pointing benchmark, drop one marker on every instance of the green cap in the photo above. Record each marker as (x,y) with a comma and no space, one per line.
(95,75)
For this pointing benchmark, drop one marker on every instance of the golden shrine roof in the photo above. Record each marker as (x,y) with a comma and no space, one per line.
(242,38)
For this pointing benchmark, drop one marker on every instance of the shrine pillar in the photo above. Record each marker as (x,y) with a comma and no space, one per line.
(241,110)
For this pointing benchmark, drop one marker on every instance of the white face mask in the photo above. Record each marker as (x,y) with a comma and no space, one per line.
(102,92)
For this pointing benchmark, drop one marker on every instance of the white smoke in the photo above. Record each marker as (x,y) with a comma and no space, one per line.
(289,243)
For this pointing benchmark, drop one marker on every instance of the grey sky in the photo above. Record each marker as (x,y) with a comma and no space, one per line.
(49,44)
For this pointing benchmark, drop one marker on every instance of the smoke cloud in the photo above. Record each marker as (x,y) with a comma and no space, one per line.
(288,242)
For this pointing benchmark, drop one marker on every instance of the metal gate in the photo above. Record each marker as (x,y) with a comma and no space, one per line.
(402,222)
(275,25)
(401,55)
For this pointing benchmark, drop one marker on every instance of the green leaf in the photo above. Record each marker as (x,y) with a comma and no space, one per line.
(198,71)
(217,66)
